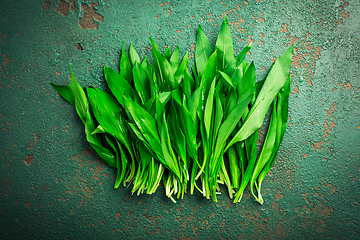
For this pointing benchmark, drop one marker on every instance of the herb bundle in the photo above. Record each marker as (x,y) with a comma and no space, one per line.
(162,123)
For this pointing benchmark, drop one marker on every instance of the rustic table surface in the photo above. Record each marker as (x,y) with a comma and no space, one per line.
(53,185)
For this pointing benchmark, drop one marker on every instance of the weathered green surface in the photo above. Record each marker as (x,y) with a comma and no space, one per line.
(53,185)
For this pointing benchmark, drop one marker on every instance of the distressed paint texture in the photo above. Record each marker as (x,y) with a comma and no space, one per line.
(53,185)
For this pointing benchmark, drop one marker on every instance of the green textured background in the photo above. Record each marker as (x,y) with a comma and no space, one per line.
(53,185)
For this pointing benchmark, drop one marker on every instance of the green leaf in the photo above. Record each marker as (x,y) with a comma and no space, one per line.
(250,145)
(219,114)
(125,66)
(162,66)
(83,109)
(108,113)
(208,113)
(105,154)
(227,78)
(112,143)
(238,72)
(119,86)
(141,82)
(145,123)
(228,126)
(206,80)
(224,45)
(65,91)
(167,54)
(182,70)
(234,167)
(282,109)
(267,150)
(248,80)
(177,138)
(99,129)
(81,102)
(203,51)
(243,53)
(281,122)
(190,129)
(134,57)
(174,60)
(168,153)
(273,83)
(164,97)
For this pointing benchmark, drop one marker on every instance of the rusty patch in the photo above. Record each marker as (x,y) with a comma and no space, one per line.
(72,5)
(296,90)
(29,159)
(6,59)
(250,40)
(28,204)
(46,6)
(87,21)
(347,86)
(79,47)
(63,8)
(331,110)
(284,28)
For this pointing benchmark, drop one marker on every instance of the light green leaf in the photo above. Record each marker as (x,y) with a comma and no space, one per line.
(134,57)
(273,83)
(224,45)
(203,51)
(65,91)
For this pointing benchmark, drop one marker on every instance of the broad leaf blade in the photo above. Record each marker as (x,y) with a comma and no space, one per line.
(141,82)
(273,83)
(119,86)
(224,45)
(146,124)
(174,60)
(203,51)
(227,78)
(125,66)
(243,53)
(65,91)
(134,57)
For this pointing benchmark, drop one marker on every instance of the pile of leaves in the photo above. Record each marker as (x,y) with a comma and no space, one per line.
(162,123)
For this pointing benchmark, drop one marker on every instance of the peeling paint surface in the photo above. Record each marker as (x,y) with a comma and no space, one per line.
(53,185)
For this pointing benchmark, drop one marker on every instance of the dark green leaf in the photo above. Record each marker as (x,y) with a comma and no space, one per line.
(125,66)
(65,91)
(145,123)
(119,86)
(141,82)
